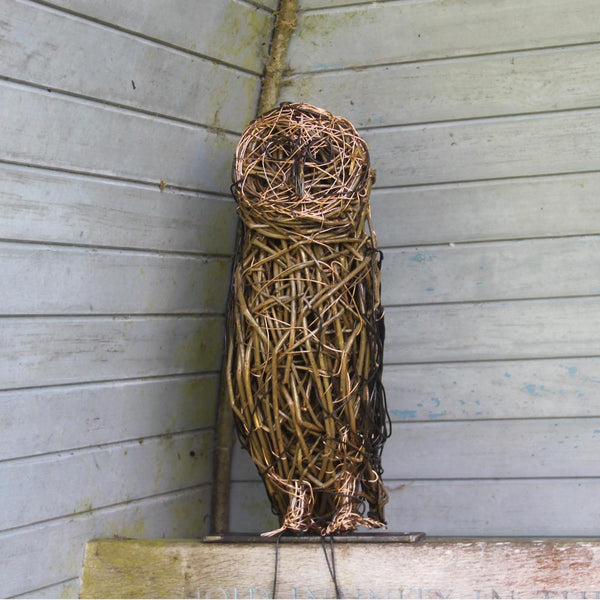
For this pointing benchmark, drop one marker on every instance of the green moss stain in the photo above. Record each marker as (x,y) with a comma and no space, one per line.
(201,351)
(84,505)
(200,402)
(241,35)
(70,590)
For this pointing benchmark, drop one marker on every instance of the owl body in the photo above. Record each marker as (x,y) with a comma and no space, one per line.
(305,322)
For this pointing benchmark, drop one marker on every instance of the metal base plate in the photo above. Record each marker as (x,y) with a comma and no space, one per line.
(287,538)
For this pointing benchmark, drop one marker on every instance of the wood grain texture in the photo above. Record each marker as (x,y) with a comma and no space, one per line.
(83,480)
(561,142)
(56,350)
(488,210)
(475,507)
(55,50)
(504,449)
(493,390)
(430,569)
(46,129)
(233,32)
(479,86)
(180,514)
(59,280)
(493,331)
(60,418)
(79,210)
(378,33)
(492,271)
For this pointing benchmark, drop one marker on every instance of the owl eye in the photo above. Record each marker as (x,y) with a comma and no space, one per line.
(280,148)
(320,151)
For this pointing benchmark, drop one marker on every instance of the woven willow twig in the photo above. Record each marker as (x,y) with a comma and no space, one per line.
(305,322)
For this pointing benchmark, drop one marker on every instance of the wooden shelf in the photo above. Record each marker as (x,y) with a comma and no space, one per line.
(243,567)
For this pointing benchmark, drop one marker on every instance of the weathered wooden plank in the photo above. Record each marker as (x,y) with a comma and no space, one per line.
(493,271)
(559,142)
(224,31)
(493,390)
(492,331)
(516,507)
(467,88)
(37,421)
(388,32)
(60,280)
(233,32)
(155,78)
(480,507)
(505,209)
(76,210)
(541,448)
(180,514)
(487,449)
(81,480)
(47,129)
(39,351)
(450,568)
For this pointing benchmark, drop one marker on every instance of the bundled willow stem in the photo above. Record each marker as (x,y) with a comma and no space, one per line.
(305,321)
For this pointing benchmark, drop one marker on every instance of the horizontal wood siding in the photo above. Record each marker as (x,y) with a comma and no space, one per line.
(235,32)
(483,120)
(374,33)
(500,507)
(82,414)
(55,547)
(116,233)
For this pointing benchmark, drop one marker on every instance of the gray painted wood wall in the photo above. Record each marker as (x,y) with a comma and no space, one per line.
(483,121)
(484,128)
(113,283)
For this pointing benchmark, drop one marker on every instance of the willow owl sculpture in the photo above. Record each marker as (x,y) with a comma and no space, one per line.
(305,321)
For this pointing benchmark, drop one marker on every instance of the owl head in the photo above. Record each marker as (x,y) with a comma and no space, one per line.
(301,167)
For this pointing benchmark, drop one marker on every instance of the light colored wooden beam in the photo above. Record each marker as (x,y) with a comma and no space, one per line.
(434,568)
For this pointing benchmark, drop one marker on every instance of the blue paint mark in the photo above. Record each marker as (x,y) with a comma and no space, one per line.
(436,401)
(572,371)
(507,374)
(481,267)
(580,394)
(404,414)
(478,402)
(422,257)
(479,283)
(433,416)
(531,389)
(596,430)
(542,387)
(430,289)
(479,413)
(323,66)
(420,405)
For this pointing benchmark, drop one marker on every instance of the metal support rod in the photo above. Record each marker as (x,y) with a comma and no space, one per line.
(285,22)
